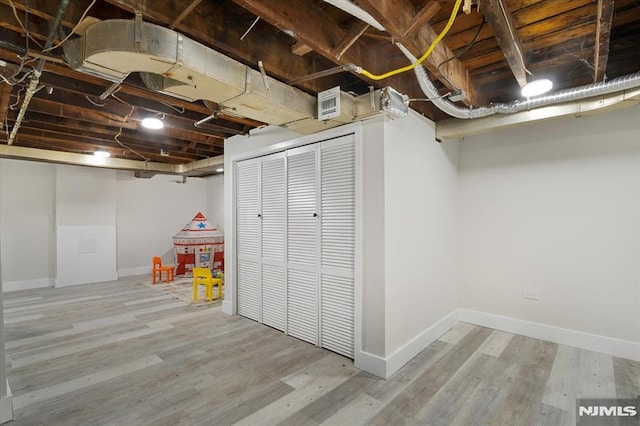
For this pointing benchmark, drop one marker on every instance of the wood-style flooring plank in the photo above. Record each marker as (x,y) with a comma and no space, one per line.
(124,353)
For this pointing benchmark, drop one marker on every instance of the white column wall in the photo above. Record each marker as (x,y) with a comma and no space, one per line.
(553,209)
(421,235)
(373,250)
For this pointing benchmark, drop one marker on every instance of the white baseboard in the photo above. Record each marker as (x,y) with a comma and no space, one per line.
(371,364)
(6,406)
(401,356)
(26,285)
(563,336)
(130,272)
(385,367)
(227,308)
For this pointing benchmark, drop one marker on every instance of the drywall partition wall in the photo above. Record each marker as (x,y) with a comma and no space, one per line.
(215,200)
(373,236)
(551,211)
(27,224)
(421,235)
(149,212)
(85,225)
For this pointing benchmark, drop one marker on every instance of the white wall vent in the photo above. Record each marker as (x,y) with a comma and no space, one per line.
(329,103)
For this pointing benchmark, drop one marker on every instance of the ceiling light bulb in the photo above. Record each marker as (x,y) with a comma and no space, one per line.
(102,154)
(220,170)
(536,87)
(152,123)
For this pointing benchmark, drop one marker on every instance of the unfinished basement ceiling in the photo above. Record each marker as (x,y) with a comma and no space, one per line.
(571,42)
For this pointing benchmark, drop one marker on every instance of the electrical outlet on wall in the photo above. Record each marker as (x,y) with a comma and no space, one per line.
(530,295)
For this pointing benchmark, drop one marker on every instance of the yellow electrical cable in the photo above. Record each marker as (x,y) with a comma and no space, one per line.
(435,42)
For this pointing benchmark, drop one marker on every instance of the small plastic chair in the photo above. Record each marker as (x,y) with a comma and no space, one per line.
(158,269)
(202,276)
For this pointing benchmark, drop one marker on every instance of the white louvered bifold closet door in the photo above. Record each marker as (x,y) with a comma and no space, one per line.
(337,245)
(273,217)
(248,238)
(302,212)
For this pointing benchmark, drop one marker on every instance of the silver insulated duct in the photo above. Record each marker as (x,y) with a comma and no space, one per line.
(596,89)
(184,68)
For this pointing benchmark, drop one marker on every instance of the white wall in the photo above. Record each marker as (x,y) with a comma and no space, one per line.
(85,225)
(554,208)
(27,223)
(215,201)
(149,213)
(421,233)
(72,225)
(373,235)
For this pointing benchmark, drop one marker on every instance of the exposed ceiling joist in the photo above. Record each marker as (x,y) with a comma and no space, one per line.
(313,27)
(603,34)
(187,10)
(502,23)
(397,18)
(422,18)
(351,37)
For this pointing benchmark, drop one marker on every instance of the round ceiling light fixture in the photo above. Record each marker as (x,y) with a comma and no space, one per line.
(536,87)
(152,123)
(102,153)
(220,170)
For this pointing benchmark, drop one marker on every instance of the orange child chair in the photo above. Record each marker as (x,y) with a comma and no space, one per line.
(202,276)
(158,269)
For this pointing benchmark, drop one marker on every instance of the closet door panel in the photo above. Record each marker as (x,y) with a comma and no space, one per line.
(273,221)
(302,308)
(302,230)
(273,296)
(301,208)
(337,245)
(337,314)
(248,238)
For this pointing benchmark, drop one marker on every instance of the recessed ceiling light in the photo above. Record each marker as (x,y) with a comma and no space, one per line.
(220,170)
(152,123)
(536,87)
(102,153)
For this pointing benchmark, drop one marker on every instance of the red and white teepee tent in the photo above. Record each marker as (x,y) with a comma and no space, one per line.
(195,246)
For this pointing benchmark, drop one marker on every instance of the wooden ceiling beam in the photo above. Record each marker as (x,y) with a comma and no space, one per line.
(603,34)
(503,26)
(397,17)
(60,137)
(422,18)
(85,89)
(187,10)
(46,142)
(313,27)
(5,96)
(106,117)
(351,37)
(99,131)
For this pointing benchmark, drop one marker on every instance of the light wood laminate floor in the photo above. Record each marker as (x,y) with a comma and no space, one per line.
(122,353)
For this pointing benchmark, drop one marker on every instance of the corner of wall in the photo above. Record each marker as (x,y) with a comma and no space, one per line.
(6,406)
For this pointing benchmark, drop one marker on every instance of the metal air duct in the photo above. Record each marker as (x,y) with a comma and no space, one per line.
(577,93)
(184,68)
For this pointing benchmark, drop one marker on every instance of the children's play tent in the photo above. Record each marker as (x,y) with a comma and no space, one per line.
(196,245)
